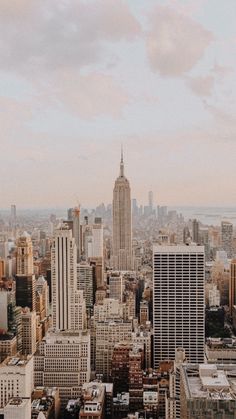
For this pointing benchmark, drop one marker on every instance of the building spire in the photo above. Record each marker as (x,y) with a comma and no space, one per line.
(122,163)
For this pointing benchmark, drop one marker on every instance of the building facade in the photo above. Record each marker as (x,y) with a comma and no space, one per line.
(122,235)
(178,302)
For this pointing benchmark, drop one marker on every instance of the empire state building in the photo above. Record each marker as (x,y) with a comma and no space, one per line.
(122,245)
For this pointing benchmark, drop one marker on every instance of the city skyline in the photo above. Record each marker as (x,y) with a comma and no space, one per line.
(71,94)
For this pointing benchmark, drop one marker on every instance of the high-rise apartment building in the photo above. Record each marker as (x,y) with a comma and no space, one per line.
(65,299)
(122,243)
(227,237)
(178,302)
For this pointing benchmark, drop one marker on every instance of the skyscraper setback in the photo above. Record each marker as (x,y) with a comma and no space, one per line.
(122,243)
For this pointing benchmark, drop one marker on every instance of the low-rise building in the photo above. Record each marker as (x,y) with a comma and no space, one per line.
(206,390)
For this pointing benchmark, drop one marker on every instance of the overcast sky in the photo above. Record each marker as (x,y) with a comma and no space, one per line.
(78,78)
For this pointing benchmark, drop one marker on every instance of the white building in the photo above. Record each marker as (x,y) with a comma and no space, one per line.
(65,296)
(18,408)
(16,378)
(178,302)
(63,361)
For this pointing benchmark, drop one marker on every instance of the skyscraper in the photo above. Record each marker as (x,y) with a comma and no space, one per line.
(25,278)
(227,237)
(76,230)
(65,297)
(122,244)
(178,302)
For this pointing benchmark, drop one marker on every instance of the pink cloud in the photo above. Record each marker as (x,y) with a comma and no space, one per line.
(175,42)
(89,95)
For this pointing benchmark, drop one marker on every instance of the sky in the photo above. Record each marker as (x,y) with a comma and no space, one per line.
(80,78)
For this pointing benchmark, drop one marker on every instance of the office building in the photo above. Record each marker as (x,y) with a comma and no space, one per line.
(122,242)
(18,407)
(195,232)
(227,237)
(108,333)
(63,361)
(95,244)
(29,324)
(76,230)
(16,378)
(207,391)
(178,302)
(232,286)
(65,298)
(25,278)
(85,283)
(8,345)
(24,257)
(116,286)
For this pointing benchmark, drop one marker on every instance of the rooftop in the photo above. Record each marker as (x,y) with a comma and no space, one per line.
(210,381)
(93,394)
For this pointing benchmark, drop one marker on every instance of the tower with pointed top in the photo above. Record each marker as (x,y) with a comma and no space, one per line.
(122,241)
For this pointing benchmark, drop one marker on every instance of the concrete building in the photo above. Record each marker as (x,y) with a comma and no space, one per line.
(29,324)
(77,231)
(116,286)
(220,351)
(232,286)
(86,284)
(7,298)
(42,287)
(16,378)
(8,345)
(95,244)
(227,237)
(207,391)
(144,338)
(178,302)
(122,242)
(19,408)
(24,258)
(63,361)
(93,401)
(143,312)
(65,296)
(108,333)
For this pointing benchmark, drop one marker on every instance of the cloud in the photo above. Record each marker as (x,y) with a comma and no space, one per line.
(201,86)
(175,42)
(89,95)
(61,34)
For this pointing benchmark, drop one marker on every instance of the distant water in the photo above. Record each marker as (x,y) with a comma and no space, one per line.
(208,215)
